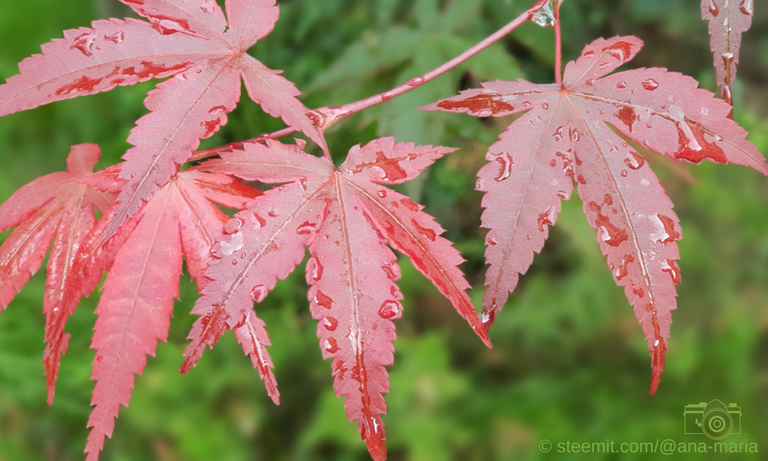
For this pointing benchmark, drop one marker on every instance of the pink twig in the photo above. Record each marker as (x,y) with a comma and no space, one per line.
(324,117)
(558,46)
(214,151)
(331,115)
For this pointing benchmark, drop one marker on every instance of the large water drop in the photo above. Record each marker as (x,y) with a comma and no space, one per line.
(545,17)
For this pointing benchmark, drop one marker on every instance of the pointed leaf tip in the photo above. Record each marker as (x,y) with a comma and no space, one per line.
(657,364)
(372,431)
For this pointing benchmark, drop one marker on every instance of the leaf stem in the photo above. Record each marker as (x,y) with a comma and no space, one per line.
(331,115)
(558,46)
(324,117)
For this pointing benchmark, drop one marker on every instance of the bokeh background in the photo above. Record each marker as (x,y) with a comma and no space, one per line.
(569,361)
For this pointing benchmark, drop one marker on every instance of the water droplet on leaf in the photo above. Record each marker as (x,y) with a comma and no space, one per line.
(619,50)
(670,266)
(713,9)
(233,225)
(167,25)
(231,243)
(390,310)
(330,345)
(314,270)
(115,37)
(623,270)
(425,232)
(575,135)
(635,161)
(330,323)
(505,170)
(306,228)
(392,270)
(84,43)
(208,7)
(547,217)
(746,7)
(258,293)
(609,233)
(649,84)
(558,134)
(390,169)
(323,300)
(665,230)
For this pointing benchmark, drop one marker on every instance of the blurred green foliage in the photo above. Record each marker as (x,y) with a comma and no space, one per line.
(569,361)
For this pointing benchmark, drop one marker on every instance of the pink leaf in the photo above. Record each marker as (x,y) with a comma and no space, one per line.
(346,219)
(566,133)
(182,38)
(58,208)
(135,308)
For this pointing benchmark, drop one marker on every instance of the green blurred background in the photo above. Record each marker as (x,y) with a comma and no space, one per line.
(569,361)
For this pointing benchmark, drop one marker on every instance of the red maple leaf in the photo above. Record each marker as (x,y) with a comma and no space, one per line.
(346,217)
(728,19)
(181,219)
(568,132)
(189,39)
(56,208)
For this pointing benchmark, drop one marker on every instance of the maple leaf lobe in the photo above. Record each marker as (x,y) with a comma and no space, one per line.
(727,22)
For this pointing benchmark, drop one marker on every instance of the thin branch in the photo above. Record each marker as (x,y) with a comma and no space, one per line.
(324,117)
(558,46)
(331,115)
(214,151)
